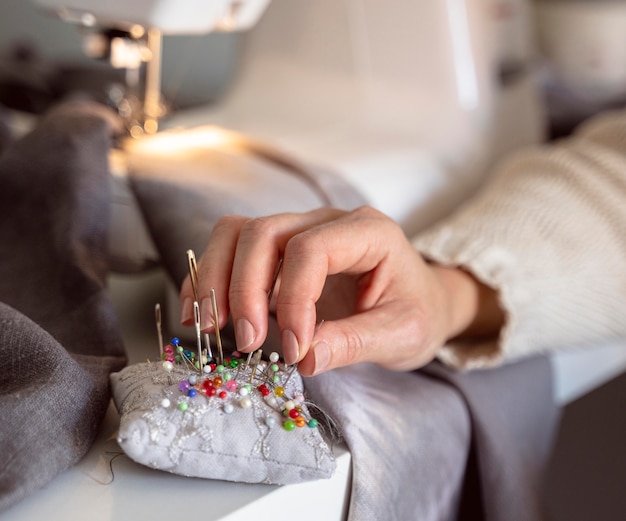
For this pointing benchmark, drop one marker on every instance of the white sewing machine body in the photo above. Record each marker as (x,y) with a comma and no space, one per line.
(169,17)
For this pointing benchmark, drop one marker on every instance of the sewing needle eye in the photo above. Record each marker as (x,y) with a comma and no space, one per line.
(193,273)
(192,265)
(196,321)
(216,321)
(274,280)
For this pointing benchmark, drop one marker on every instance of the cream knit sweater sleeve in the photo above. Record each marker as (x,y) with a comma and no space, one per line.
(549,233)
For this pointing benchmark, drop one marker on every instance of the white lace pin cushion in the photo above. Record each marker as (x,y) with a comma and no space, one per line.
(178,420)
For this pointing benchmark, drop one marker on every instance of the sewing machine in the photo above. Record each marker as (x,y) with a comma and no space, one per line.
(411,104)
(129,34)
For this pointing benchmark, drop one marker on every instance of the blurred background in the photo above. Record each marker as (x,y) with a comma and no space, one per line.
(573,52)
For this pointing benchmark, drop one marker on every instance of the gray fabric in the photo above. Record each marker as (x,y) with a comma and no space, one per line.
(410,434)
(514,421)
(59,337)
(181,203)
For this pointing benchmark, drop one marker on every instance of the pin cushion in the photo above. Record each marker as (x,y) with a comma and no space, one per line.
(235,420)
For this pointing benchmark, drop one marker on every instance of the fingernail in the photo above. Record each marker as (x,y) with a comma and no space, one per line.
(206,314)
(244,333)
(291,351)
(321,355)
(186,312)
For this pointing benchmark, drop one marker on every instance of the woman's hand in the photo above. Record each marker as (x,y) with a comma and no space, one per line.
(380,301)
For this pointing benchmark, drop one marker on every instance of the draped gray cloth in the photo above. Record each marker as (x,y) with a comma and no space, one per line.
(411,436)
(59,337)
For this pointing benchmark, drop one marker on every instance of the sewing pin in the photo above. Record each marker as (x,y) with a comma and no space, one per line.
(192,265)
(319,326)
(193,272)
(157,316)
(196,323)
(216,321)
(274,280)
(255,363)
(291,371)
(207,343)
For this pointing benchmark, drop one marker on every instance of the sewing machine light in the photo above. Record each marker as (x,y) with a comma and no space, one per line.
(125,55)
(182,142)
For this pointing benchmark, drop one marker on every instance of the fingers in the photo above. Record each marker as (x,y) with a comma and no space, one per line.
(215,269)
(240,265)
(261,243)
(384,320)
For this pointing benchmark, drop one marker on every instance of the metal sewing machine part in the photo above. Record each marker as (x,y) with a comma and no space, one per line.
(128,35)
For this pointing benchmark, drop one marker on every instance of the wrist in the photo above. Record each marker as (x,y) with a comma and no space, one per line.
(473,308)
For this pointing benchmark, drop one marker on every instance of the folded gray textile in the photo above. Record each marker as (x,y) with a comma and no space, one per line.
(59,337)
(181,200)
(427,445)
(410,436)
(514,420)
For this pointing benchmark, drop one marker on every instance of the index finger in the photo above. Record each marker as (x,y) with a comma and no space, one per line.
(259,249)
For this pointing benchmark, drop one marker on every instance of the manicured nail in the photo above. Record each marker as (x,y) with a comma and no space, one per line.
(291,350)
(186,312)
(321,355)
(244,333)
(206,314)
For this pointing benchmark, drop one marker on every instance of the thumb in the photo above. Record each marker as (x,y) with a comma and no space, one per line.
(335,344)
(388,335)
(382,335)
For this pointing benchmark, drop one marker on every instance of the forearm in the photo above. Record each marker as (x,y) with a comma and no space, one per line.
(548,235)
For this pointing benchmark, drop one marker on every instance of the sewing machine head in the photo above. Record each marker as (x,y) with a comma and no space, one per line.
(128,35)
